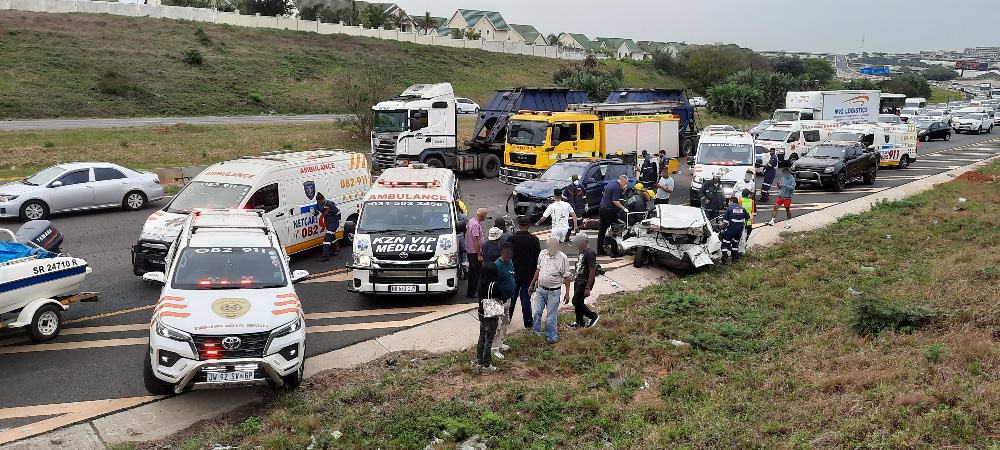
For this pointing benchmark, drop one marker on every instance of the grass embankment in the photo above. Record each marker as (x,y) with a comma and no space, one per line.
(879,331)
(942,95)
(86,65)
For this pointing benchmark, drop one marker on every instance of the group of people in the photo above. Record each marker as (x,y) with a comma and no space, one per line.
(505,268)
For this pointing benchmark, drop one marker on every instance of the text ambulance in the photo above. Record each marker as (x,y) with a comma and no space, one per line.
(284,185)
(406,240)
(896,144)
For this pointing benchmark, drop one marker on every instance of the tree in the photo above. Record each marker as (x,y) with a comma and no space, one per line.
(457,34)
(667,63)
(398,19)
(734,99)
(788,65)
(553,40)
(312,12)
(707,65)
(940,73)
(426,23)
(374,16)
(591,76)
(910,85)
(819,70)
(860,84)
(272,8)
(472,35)
(362,88)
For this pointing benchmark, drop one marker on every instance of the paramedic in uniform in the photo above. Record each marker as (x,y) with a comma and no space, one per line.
(769,168)
(329,221)
(736,218)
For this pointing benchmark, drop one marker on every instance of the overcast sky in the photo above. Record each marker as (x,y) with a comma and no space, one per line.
(803,25)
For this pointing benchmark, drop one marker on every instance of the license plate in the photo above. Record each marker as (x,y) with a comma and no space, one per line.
(807,175)
(229,377)
(405,289)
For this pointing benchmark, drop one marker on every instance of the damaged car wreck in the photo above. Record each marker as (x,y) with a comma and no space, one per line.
(674,236)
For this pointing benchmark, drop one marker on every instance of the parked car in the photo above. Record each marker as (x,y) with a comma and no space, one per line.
(78,186)
(934,129)
(835,165)
(760,127)
(974,123)
(943,115)
(890,119)
(531,197)
(466,106)
(698,101)
(907,113)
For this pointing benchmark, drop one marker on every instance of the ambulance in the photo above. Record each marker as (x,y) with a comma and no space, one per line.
(791,140)
(406,238)
(895,144)
(282,184)
(730,154)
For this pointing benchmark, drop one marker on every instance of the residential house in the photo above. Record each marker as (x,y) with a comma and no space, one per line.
(526,34)
(393,10)
(622,48)
(576,40)
(489,24)
(652,47)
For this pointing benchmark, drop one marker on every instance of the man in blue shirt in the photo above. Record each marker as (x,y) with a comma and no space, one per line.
(769,171)
(505,265)
(647,172)
(611,205)
(736,217)
(786,187)
(576,196)
(329,220)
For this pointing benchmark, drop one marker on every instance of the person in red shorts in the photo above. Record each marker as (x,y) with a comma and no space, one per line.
(786,187)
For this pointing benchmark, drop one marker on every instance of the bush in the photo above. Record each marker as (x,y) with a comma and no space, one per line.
(940,73)
(193,57)
(911,85)
(112,83)
(675,305)
(872,316)
(733,99)
(255,97)
(203,38)
(668,64)
(591,76)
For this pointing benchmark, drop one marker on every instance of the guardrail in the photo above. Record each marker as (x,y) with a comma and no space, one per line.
(286,23)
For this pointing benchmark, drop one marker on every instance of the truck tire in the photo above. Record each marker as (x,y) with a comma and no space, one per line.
(686,147)
(45,324)
(434,162)
(839,182)
(154,385)
(869,178)
(489,166)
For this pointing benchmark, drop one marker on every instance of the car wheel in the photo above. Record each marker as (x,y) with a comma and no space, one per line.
(134,201)
(839,182)
(294,379)
(947,136)
(46,323)
(904,162)
(34,210)
(489,166)
(869,178)
(640,256)
(476,112)
(153,384)
(924,138)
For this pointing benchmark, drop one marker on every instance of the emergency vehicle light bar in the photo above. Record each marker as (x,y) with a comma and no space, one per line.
(426,184)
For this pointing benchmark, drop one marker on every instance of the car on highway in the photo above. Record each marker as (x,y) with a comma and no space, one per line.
(531,197)
(836,165)
(466,106)
(698,101)
(977,123)
(76,187)
(908,113)
(889,118)
(228,314)
(929,130)
(760,127)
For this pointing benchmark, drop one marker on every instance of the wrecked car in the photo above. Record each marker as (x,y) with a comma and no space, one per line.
(675,236)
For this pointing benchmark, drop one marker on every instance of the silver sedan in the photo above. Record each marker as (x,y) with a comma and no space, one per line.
(76,187)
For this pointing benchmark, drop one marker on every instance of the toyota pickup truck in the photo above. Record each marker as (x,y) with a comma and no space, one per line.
(836,165)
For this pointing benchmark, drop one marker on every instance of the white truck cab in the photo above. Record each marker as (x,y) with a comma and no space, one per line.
(416,126)
(283,185)
(793,139)
(896,144)
(728,153)
(406,239)
(228,313)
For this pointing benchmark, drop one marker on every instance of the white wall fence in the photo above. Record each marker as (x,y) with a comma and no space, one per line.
(286,23)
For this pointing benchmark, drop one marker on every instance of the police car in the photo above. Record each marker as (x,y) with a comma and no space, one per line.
(228,314)
(406,239)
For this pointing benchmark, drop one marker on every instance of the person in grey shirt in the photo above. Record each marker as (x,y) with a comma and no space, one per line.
(551,282)
(664,187)
(786,187)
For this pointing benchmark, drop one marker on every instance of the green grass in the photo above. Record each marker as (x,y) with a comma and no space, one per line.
(774,359)
(942,95)
(85,65)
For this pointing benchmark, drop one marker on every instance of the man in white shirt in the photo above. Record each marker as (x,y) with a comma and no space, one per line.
(749,182)
(664,187)
(560,211)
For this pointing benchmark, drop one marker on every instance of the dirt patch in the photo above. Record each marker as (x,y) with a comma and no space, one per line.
(975,176)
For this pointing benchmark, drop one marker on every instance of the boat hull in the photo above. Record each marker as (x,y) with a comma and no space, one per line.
(26,281)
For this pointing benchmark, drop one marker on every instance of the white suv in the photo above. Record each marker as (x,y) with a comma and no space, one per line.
(974,123)
(228,313)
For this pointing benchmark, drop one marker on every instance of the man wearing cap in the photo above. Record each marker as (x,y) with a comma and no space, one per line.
(586,273)
(491,248)
(712,196)
(526,248)
(560,212)
(329,221)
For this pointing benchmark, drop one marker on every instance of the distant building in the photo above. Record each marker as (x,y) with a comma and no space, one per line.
(621,48)
(526,34)
(986,53)
(576,40)
(652,47)
(489,24)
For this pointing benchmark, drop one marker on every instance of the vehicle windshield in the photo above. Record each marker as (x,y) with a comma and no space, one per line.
(389,121)
(923,124)
(845,136)
(229,268)
(785,116)
(977,116)
(935,113)
(43,176)
(527,132)
(762,124)
(405,216)
(725,154)
(562,172)
(200,194)
(958,114)
(774,135)
(827,151)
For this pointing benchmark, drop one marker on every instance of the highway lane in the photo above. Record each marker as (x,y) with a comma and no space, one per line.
(68,124)
(100,354)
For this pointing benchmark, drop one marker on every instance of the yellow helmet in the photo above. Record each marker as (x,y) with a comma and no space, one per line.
(639,186)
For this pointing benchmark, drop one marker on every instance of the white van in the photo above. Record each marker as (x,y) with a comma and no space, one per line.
(284,185)
(406,239)
(727,153)
(916,102)
(793,139)
(896,144)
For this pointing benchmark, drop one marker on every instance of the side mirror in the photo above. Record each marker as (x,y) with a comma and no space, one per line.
(154,277)
(56,184)
(460,226)
(350,227)
(299,275)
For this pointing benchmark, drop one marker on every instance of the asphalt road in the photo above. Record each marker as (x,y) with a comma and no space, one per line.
(66,124)
(99,355)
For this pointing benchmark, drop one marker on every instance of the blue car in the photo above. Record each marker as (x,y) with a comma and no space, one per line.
(531,197)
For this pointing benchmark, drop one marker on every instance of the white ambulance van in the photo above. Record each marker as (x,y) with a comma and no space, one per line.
(283,184)
(406,239)
(896,144)
(727,153)
(793,139)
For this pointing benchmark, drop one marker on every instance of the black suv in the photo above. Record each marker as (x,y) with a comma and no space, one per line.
(532,196)
(835,165)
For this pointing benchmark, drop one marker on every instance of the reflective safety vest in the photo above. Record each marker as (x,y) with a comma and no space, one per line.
(749,205)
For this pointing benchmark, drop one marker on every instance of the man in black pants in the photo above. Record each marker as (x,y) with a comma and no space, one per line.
(586,272)
(474,239)
(527,246)
(611,206)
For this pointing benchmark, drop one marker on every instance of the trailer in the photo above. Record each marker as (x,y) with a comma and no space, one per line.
(679,106)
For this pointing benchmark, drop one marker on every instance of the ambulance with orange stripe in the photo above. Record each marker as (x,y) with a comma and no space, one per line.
(228,314)
(282,184)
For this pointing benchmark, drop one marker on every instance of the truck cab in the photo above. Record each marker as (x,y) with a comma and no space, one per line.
(419,125)
(406,238)
(536,140)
